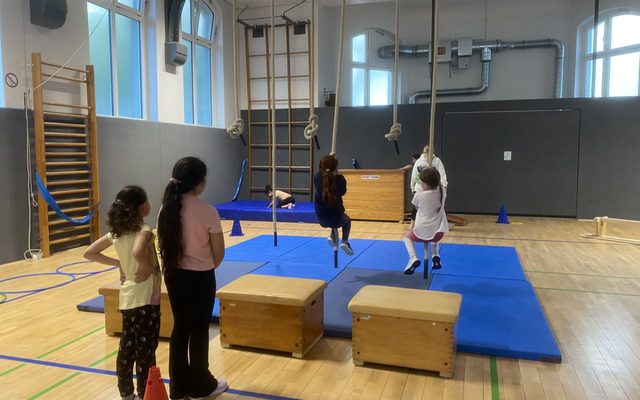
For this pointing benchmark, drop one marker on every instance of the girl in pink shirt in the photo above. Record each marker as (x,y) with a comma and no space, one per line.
(191,248)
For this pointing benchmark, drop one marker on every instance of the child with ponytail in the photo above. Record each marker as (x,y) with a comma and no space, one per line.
(140,277)
(330,186)
(191,248)
(431,221)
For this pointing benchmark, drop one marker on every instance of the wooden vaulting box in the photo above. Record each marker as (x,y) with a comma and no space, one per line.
(113,318)
(405,327)
(272,312)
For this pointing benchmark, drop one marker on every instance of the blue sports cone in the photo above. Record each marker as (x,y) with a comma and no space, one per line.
(236,229)
(502,216)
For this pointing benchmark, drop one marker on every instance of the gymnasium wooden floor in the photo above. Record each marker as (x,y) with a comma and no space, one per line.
(590,291)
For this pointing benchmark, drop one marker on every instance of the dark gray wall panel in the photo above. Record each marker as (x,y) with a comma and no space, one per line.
(539,180)
(609,179)
(14,207)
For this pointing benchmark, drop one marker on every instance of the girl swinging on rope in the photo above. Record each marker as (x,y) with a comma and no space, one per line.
(330,186)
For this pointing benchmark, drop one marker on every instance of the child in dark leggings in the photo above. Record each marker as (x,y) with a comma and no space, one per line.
(330,186)
(140,278)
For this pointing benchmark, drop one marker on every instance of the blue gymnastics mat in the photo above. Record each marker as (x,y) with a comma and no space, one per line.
(500,317)
(337,318)
(261,248)
(95,305)
(458,259)
(294,270)
(257,210)
(317,251)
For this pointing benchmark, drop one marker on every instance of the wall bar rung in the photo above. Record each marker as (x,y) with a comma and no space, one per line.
(70,239)
(65,154)
(67,115)
(71,210)
(64,144)
(65,67)
(66,105)
(69,183)
(66,163)
(64,78)
(70,191)
(64,124)
(65,135)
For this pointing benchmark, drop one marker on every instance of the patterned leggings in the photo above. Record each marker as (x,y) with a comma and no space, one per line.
(138,343)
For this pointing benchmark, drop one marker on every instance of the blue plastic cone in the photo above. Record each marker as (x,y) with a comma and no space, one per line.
(502,216)
(236,229)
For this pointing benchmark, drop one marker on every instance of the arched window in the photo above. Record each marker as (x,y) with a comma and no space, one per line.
(198,33)
(615,49)
(115,50)
(371,76)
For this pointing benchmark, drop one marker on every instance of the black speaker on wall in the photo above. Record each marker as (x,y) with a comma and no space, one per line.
(50,14)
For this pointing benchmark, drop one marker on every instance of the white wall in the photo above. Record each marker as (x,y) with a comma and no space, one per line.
(520,74)
(20,38)
(164,88)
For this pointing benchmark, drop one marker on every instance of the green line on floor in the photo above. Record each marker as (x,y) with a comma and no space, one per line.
(495,389)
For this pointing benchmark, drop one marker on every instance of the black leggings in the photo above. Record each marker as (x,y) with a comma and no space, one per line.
(288,200)
(343,222)
(138,343)
(191,294)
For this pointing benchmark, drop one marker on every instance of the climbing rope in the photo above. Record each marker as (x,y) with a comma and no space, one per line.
(336,106)
(434,69)
(272,90)
(396,128)
(237,127)
(311,130)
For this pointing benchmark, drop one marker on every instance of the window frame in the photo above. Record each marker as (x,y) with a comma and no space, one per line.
(115,7)
(368,66)
(585,55)
(194,39)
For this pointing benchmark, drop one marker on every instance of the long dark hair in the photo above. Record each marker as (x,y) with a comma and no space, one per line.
(431,177)
(187,173)
(327,166)
(124,214)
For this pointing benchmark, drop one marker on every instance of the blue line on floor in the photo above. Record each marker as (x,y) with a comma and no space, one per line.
(112,373)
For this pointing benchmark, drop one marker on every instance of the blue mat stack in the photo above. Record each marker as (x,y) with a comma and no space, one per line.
(500,313)
(257,210)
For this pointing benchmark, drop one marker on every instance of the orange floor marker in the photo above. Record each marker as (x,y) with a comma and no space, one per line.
(155,386)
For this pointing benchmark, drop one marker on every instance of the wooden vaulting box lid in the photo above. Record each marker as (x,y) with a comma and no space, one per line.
(407,303)
(271,289)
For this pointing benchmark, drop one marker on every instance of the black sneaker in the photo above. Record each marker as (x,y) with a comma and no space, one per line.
(346,247)
(436,263)
(411,266)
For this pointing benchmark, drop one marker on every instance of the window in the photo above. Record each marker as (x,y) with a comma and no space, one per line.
(371,78)
(614,47)
(198,31)
(115,50)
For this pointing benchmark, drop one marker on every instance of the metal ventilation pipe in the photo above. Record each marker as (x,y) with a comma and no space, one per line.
(495,45)
(484,82)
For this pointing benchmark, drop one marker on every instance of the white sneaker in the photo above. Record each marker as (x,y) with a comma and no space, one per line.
(411,265)
(223,385)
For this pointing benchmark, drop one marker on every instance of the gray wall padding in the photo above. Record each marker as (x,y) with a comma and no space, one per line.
(143,153)
(541,178)
(14,206)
